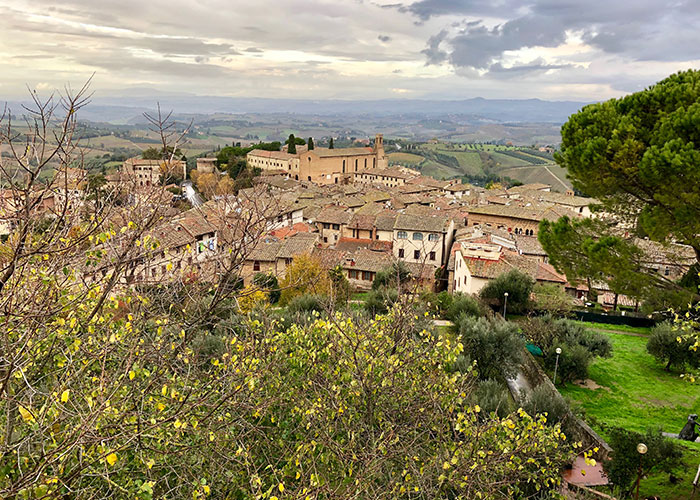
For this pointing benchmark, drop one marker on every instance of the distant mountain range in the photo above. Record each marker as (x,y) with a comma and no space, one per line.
(128,107)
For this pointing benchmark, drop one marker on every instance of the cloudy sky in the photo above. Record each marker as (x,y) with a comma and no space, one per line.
(349,49)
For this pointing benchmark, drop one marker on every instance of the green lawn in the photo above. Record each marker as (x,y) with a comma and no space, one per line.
(617,328)
(638,394)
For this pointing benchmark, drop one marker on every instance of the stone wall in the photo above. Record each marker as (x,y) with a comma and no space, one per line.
(535,376)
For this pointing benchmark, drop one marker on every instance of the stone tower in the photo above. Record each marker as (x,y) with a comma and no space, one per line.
(382,161)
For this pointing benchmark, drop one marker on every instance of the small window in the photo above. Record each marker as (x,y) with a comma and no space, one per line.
(433,237)
(336,226)
(416,254)
(326,225)
(366,275)
(417,236)
(401,253)
(402,235)
(432,255)
(256,265)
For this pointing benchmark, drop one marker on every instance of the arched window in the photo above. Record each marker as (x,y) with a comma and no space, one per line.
(343,166)
(365,163)
(355,164)
(374,163)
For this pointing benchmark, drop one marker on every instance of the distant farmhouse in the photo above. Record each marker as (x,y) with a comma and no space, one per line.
(140,173)
(322,165)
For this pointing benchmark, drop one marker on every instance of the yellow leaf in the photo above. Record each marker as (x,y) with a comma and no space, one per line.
(26,414)
(112,458)
(280,487)
(164,390)
(65,395)
(132,374)
(206,489)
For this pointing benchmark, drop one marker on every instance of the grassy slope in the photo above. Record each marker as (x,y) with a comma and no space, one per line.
(469,162)
(638,394)
(407,158)
(508,161)
(438,170)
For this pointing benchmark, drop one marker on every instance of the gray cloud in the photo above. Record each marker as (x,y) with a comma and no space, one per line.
(317,49)
(433,53)
(645,30)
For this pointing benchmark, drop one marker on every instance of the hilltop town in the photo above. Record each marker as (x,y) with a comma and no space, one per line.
(347,207)
(330,322)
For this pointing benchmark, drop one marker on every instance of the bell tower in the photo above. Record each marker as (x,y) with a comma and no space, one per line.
(379,143)
(381,160)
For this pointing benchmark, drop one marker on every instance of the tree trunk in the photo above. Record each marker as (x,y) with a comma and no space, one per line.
(615,303)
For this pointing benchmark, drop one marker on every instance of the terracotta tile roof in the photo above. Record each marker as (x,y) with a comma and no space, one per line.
(276,155)
(362,221)
(368,260)
(559,198)
(536,213)
(287,231)
(546,272)
(265,251)
(385,222)
(334,215)
(458,188)
(300,243)
(329,153)
(528,245)
(329,257)
(351,201)
(535,186)
(172,235)
(422,223)
(421,211)
(422,180)
(376,196)
(371,209)
(352,244)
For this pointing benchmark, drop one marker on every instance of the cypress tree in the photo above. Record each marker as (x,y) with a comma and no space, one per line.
(330,145)
(311,143)
(292,142)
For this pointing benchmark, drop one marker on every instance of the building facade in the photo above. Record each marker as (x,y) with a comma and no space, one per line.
(322,165)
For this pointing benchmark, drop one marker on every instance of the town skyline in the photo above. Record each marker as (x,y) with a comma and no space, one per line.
(428,49)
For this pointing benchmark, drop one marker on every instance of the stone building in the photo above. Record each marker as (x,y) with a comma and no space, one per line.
(391,177)
(322,165)
(423,239)
(146,173)
(515,219)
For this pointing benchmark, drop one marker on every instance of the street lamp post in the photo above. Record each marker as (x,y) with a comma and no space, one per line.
(641,449)
(556,365)
(505,303)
